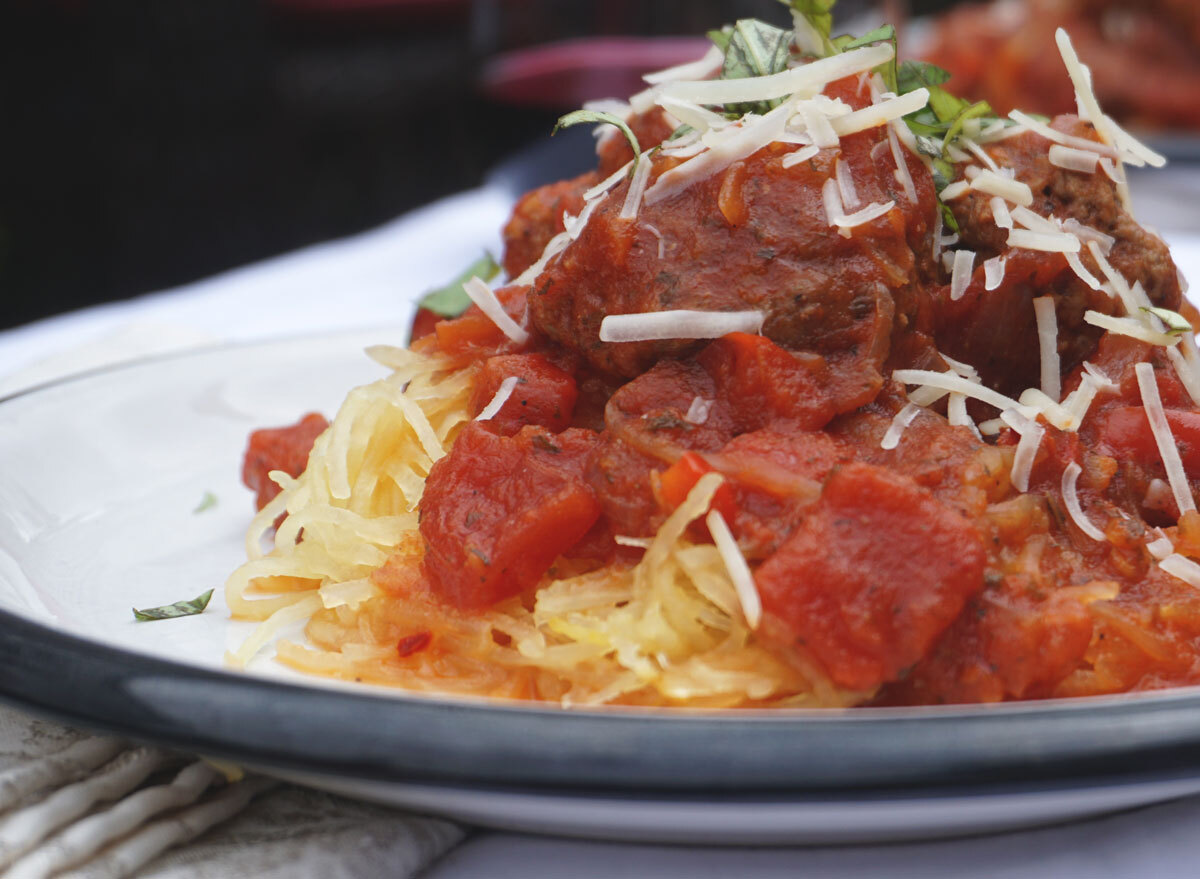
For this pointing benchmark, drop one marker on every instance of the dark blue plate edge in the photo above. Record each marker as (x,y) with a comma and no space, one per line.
(348,734)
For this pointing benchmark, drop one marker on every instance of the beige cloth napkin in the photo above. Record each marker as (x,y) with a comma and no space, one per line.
(125,810)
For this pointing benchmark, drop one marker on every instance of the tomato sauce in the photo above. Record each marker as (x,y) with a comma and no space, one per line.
(911,572)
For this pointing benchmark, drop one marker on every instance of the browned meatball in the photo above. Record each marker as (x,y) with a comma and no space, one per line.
(754,236)
(537,217)
(994,330)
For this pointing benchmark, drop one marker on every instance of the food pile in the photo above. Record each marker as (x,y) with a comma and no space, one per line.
(825,388)
(1145,56)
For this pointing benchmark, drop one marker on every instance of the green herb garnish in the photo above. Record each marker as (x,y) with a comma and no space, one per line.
(578,116)
(206,503)
(452,300)
(754,48)
(818,15)
(178,609)
(1176,323)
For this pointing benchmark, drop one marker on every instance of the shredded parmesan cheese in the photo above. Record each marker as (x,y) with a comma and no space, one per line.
(1127,326)
(948,381)
(801,155)
(1081,79)
(1000,213)
(903,418)
(960,275)
(1047,328)
(698,410)
(845,185)
(1167,450)
(497,402)
(1053,134)
(1012,190)
(1073,159)
(1183,568)
(957,415)
(993,272)
(637,188)
(978,152)
(954,190)
(1081,271)
(806,80)
(680,324)
(1071,499)
(704,66)
(481,294)
(903,177)
(554,247)
(1031,434)
(608,182)
(880,114)
(739,144)
(735,564)
(818,127)
(1161,546)
(1051,242)
(1188,374)
(653,230)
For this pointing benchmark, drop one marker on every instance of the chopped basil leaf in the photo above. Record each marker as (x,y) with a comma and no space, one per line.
(178,609)
(943,173)
(452,300)
(819,15)
(206,503)
(755,48)
(912,75)
(577,116)
(1176,323)
(883,34)
(948,218)
(720,38)
(680,132)
(981,108)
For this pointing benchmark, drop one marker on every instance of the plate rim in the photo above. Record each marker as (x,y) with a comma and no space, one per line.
(130,693)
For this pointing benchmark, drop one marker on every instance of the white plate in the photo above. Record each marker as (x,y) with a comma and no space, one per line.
(100,480)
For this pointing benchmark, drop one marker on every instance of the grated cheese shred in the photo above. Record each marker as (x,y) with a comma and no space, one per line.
(678,324)
(481,294)
(1047,329)
(1159,426)
(499,399)
(1070,495)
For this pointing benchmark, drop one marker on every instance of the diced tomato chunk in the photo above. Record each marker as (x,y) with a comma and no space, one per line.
(474,330)
(1125,431)
(545,395)
(424,322)
(762,382)
(682,476)
(279,448)
(497,511)
(872,575)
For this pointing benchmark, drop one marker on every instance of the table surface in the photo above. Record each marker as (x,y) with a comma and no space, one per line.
(370,277)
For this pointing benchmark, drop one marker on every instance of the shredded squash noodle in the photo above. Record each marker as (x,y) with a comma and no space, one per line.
(807,402)
(668,630)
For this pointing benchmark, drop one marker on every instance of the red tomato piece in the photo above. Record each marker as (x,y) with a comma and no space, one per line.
(1125,431)
(682,476)
(474,330)
(872,576)
(424,322)
(497,511)
(545,395)
(279,448)
(762,382)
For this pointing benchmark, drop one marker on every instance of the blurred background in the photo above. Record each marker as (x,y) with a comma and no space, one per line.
(148,144)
